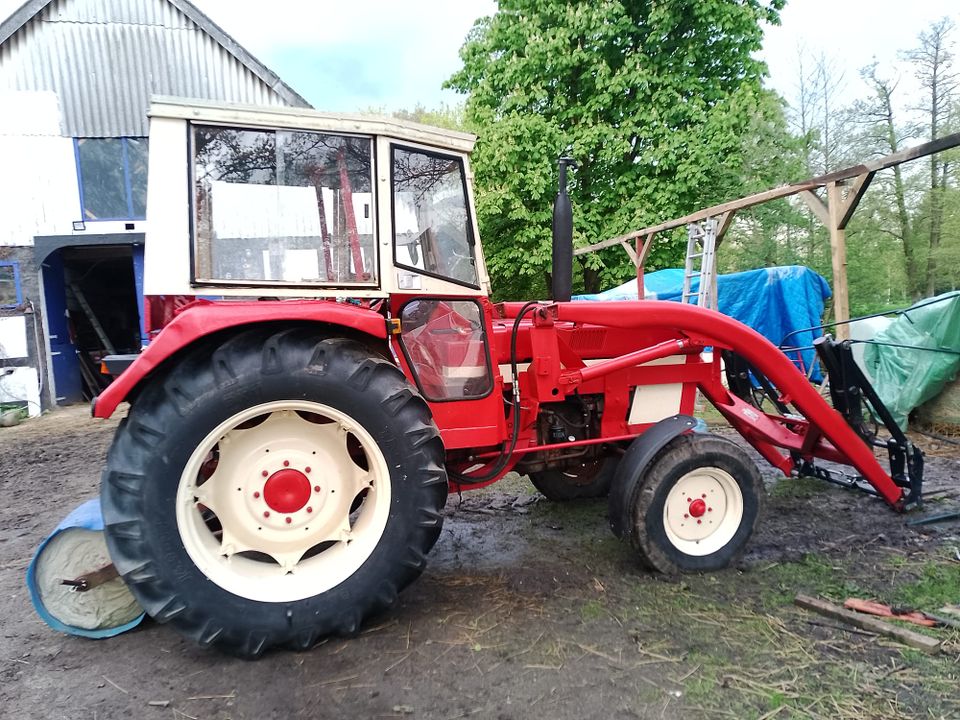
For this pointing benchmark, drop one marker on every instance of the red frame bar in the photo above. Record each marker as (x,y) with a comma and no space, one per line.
(839,441)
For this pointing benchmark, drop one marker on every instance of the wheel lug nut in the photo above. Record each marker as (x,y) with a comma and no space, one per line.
(704,495)
(316,488)
(286,463)
(699,522)
(306,469)
(266,513)
(289,520)
(256,494)
(709,509)
(265,473)
(309,509)
(686,515)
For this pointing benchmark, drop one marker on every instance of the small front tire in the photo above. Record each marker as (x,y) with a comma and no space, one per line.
(697,505)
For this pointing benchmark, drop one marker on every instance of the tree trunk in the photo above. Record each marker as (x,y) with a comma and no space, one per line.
(902,216)
(591,279)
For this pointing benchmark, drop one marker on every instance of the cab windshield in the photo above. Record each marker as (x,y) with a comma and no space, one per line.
(432,230)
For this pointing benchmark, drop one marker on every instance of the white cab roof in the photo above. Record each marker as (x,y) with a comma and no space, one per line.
(304,119)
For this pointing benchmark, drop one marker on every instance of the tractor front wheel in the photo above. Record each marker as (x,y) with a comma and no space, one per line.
(696,506)
(272,490)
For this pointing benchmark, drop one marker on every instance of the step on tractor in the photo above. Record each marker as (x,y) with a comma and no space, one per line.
(326,364)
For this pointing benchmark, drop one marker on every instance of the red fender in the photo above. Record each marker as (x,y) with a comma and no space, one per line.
(203,318)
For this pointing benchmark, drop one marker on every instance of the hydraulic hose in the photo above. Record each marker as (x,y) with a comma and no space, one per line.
(506,450)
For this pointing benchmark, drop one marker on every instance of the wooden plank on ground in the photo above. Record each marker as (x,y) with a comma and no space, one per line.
(924,643)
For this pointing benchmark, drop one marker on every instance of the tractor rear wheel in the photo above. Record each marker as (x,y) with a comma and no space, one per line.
(697,505)
(273,489)
(589,479)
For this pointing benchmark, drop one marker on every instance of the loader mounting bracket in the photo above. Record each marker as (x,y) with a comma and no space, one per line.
(849,388)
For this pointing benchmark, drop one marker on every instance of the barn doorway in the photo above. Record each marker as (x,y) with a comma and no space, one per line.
(93,310)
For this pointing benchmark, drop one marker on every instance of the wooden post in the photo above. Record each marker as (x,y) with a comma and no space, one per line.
(838,256)
(643,249)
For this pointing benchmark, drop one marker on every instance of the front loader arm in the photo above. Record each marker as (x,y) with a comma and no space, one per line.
(821,433)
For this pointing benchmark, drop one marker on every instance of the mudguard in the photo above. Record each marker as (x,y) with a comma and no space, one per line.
(203,318)
(634,463)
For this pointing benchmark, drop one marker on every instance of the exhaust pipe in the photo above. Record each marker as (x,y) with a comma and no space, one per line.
(562,275)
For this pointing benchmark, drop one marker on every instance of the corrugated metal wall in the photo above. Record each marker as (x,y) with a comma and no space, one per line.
(105,58)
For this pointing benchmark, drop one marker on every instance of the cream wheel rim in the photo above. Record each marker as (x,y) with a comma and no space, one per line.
(283,501)
(703,511)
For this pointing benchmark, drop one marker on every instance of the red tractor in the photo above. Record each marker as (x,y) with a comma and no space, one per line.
(282,472)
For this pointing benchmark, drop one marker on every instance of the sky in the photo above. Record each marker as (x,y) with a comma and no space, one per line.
(851,34)
(395,54)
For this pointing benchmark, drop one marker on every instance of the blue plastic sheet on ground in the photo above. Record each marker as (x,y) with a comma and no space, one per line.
(773,301)
(87,517)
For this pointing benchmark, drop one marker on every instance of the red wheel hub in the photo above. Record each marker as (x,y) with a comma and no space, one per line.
(287,491)
(697,508)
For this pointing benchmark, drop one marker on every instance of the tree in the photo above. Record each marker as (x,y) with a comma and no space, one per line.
(883,135)
(446,116)
(770,233)
(652,99)
(933,60)
(823,127)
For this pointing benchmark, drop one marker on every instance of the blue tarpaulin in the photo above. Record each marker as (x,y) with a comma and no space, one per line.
(773,301)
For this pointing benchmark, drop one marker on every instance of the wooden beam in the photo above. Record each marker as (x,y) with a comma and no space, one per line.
(814,202)
(642,251)
(630,251)
(856,171)
(924,643)
(766,196)
(854,195)
(723,224)
(888,161)
(645,249)
(838,257)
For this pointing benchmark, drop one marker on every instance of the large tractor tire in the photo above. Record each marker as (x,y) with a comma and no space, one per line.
(272,489)
(589,479)
(695,506)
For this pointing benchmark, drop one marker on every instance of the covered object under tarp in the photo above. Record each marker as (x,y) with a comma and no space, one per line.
(773,301)
(916,355)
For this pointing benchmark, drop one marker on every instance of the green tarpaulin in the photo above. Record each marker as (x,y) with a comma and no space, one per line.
(906,377)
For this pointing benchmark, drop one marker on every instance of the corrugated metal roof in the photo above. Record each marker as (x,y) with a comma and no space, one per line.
(105,58)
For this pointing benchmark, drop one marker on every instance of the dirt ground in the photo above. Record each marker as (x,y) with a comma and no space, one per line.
(528,609)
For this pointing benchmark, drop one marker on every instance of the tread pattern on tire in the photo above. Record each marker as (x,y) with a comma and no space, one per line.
(245,365)
(691,450)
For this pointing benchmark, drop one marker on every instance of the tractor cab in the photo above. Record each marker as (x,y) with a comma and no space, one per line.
(284,203)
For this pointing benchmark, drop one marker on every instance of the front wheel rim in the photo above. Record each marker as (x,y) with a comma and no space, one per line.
(283,501)
(703,511)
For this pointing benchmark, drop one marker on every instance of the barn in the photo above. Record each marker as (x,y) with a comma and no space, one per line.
(76,77)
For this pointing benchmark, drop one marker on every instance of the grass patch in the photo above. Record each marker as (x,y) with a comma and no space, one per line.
(798,488)
(938,584)
(813,575)
(592,610)
(742,650)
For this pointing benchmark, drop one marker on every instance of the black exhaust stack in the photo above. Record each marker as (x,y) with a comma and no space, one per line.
(562,274)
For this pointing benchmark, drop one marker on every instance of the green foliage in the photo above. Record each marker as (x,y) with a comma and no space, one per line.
(660,103)
(452,117)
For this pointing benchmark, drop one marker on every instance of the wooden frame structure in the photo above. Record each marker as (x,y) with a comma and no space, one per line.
(844,189)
